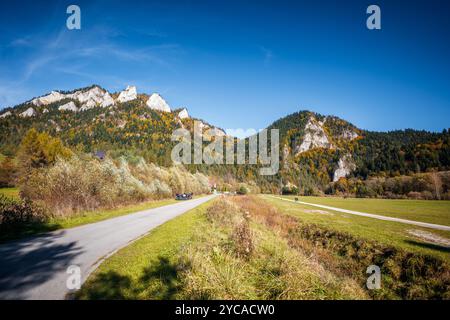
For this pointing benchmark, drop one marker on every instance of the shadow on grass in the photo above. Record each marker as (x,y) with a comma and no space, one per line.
(427,245)
(158,281)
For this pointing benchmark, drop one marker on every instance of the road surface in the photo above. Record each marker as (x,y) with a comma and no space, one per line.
(374,216)
(36,267)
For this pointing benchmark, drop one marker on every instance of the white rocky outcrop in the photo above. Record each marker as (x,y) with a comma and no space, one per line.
(183,114)
(349,134)
(130,93)
(70,106)
(156,102)
(315,137)
(54,96)
(88,105)
(345,167)
(6,114)
(90,98)
(30,112)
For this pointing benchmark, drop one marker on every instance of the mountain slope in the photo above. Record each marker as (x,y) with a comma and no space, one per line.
(315,149)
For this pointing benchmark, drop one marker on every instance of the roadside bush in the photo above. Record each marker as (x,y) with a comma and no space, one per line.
(88,183)
(16,215)
(242,190)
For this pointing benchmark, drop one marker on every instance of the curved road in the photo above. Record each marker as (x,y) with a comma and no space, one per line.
(36,267)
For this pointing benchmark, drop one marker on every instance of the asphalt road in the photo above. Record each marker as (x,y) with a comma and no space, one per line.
(374,216)
(36,267)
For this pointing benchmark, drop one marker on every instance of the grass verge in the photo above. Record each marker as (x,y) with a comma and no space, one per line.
(146,269)
(431,211)
(386,232)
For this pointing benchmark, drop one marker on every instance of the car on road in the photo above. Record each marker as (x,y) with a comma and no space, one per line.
(183,196)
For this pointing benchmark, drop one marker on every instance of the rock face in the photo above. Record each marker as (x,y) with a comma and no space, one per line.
(88,98)
(315,137)
(70,106)
(130,93)
(345,167)
(156,102)
(183,114)
(349,135)
(54,96)
(6,114)
(91,98)
(30,112)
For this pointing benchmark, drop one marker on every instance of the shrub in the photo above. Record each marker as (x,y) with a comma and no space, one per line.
(86,184)
(242,240)
(242,190)
(16,215)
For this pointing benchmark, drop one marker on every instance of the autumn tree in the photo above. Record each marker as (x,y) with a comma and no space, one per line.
(39,150)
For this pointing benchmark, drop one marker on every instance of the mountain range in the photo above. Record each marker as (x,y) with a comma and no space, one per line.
(316,150)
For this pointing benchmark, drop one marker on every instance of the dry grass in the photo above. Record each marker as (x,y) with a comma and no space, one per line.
(406,275)
(235,256)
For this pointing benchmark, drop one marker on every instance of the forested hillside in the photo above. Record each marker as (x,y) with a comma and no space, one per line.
(317,153)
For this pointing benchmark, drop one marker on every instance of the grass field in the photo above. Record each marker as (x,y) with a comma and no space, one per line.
(432,211)
(389,233)
(243,247)
(10,192)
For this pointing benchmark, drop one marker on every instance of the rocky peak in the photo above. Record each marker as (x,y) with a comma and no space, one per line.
(315,137)
(88,98)
(54,96)
(130,93)
(92,97)
(183,114)
(156,102)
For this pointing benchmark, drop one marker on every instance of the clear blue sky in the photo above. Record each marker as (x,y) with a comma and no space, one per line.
(240,64)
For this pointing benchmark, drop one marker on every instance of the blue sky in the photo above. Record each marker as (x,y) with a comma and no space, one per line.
(240,64)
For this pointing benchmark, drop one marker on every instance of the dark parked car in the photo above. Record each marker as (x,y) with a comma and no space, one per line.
(183,196)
